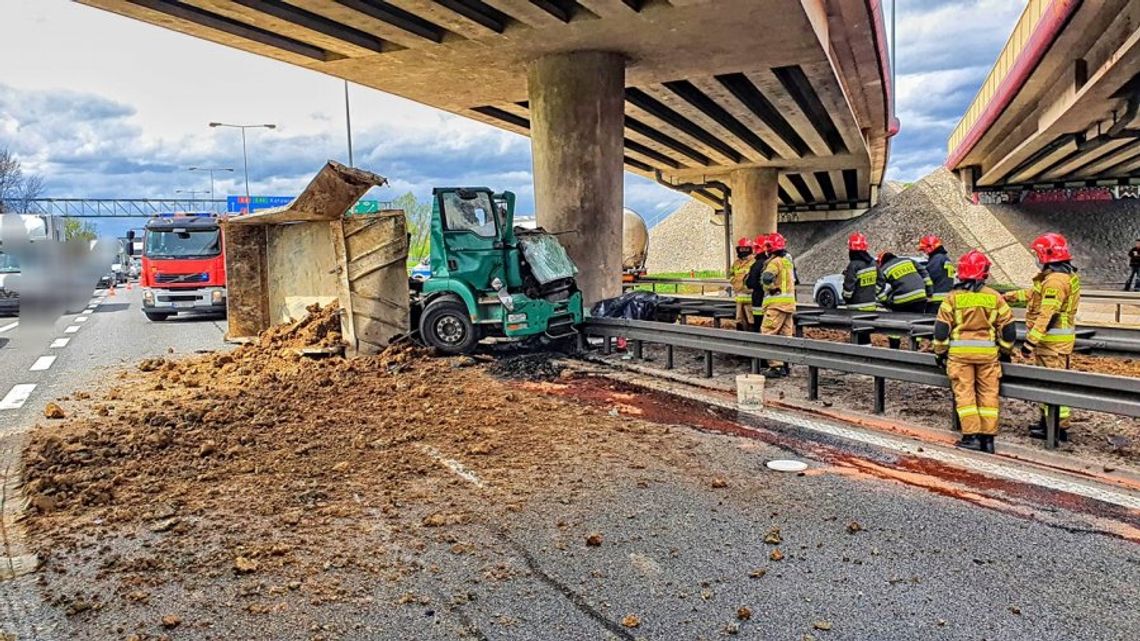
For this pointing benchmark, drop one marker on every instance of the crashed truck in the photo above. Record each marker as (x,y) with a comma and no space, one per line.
(488,277)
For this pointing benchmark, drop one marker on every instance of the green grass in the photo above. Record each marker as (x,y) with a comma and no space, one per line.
(680,289)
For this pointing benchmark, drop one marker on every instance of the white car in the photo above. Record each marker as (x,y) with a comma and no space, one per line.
(828,290)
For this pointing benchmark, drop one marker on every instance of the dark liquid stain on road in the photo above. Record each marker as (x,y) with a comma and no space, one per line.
(1023,500)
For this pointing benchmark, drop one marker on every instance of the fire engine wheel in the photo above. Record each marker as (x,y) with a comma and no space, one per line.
(446,326)
(156,316)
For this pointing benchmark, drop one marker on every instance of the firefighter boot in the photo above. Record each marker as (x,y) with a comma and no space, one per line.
(775,372)
(987,443)
(971,442)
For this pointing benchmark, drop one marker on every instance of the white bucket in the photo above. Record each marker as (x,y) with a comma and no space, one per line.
(749,391)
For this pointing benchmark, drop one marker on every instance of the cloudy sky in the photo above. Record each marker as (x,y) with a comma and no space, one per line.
(103,106)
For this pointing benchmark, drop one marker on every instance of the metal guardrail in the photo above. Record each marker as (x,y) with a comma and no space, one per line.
(1052,388)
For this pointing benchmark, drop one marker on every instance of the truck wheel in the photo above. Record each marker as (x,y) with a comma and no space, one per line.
(157,316)
(446,326)
(827,298)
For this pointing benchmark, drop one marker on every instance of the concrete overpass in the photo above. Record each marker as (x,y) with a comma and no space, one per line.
(786,103)
(1060,106)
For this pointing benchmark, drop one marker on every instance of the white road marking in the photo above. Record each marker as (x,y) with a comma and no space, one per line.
(71,330)
(8,327)
(458,468)
(42,363)
(60,342)
(17,396)
(81,319)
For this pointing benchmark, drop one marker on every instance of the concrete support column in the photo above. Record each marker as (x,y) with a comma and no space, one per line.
(576,123)
(754,200)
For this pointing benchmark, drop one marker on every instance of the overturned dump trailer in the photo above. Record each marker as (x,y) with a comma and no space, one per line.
(279,261)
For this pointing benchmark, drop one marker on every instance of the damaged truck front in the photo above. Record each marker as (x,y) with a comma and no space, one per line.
(487,277)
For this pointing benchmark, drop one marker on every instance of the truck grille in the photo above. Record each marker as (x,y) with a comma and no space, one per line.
(182,278)
(177,298)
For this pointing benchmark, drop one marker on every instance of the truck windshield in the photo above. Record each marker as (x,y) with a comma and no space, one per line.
(8,264)
(203,243)
(474,214)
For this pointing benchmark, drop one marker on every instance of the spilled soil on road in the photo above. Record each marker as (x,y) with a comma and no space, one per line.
(266,472)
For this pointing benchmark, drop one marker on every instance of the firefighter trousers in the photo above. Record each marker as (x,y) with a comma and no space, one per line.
(778,322)
(1053,360)
(743,315)
(975,387)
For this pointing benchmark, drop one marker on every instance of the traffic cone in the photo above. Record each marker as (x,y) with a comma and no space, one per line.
(111,291)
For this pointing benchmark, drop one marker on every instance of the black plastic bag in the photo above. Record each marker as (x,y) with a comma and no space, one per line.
(631,306)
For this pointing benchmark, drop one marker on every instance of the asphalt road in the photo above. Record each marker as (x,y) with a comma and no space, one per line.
(42,364)
(678,556)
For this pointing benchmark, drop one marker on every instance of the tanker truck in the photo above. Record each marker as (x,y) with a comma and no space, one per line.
(634,246)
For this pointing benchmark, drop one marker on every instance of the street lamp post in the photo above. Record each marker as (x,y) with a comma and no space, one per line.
(244,154)
(193,192)
(211,170)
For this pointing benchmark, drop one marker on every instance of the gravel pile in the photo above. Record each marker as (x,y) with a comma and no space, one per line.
(690,240)
(895,224)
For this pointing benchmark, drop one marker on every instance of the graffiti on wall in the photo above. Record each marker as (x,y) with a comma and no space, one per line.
(1067,194)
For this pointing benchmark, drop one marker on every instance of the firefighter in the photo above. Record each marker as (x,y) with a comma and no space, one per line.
(745,257)
(752,281)
(1050,314)
(903,285)
(779,298)
(974,333)
(940,268)
(861,277)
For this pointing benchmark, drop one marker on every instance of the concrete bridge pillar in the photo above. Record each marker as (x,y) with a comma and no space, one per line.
(754,200)
(577,119)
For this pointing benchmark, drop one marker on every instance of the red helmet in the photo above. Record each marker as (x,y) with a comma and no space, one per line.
(776,242)
(857,242)
(1051,248)
(974,266)
(760,244)
(929,243)
(744,242)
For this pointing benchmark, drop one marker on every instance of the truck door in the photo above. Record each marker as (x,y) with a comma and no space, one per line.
(471,237)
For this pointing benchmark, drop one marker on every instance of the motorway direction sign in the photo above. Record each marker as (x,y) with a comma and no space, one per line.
(245,205)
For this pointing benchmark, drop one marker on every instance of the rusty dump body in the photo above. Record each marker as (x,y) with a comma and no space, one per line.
(279,261)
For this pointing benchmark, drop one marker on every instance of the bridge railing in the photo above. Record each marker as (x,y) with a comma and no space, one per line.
(1034,11)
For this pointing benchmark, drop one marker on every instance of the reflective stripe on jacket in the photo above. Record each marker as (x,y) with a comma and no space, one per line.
(860,284)
(740,289)
(779,285)
(901,280)
(1050,309)
(974,326)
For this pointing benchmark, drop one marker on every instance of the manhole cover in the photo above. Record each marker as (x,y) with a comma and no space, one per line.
(785,465)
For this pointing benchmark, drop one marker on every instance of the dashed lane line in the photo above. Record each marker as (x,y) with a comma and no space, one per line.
(80,319)
(60,342)
(42,363)
(17,396)
(71,330)
(8,327)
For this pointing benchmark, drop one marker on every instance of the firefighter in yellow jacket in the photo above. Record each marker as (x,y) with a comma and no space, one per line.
(778,281)
(1050,315)
(743,294)
(973,333)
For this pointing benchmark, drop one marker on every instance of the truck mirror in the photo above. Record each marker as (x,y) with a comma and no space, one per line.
(130,234)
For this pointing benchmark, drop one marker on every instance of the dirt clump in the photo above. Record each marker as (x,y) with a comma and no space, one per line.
(534,366)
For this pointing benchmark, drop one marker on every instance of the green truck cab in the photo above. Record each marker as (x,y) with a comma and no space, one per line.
(489,278)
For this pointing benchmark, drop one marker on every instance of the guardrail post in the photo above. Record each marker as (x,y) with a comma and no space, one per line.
(708,364)
(1052,425)
(607,345)
(637,347)
(813,383)
(668,357)
(755,365)
(880,394)
(583,342)
(894,342)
